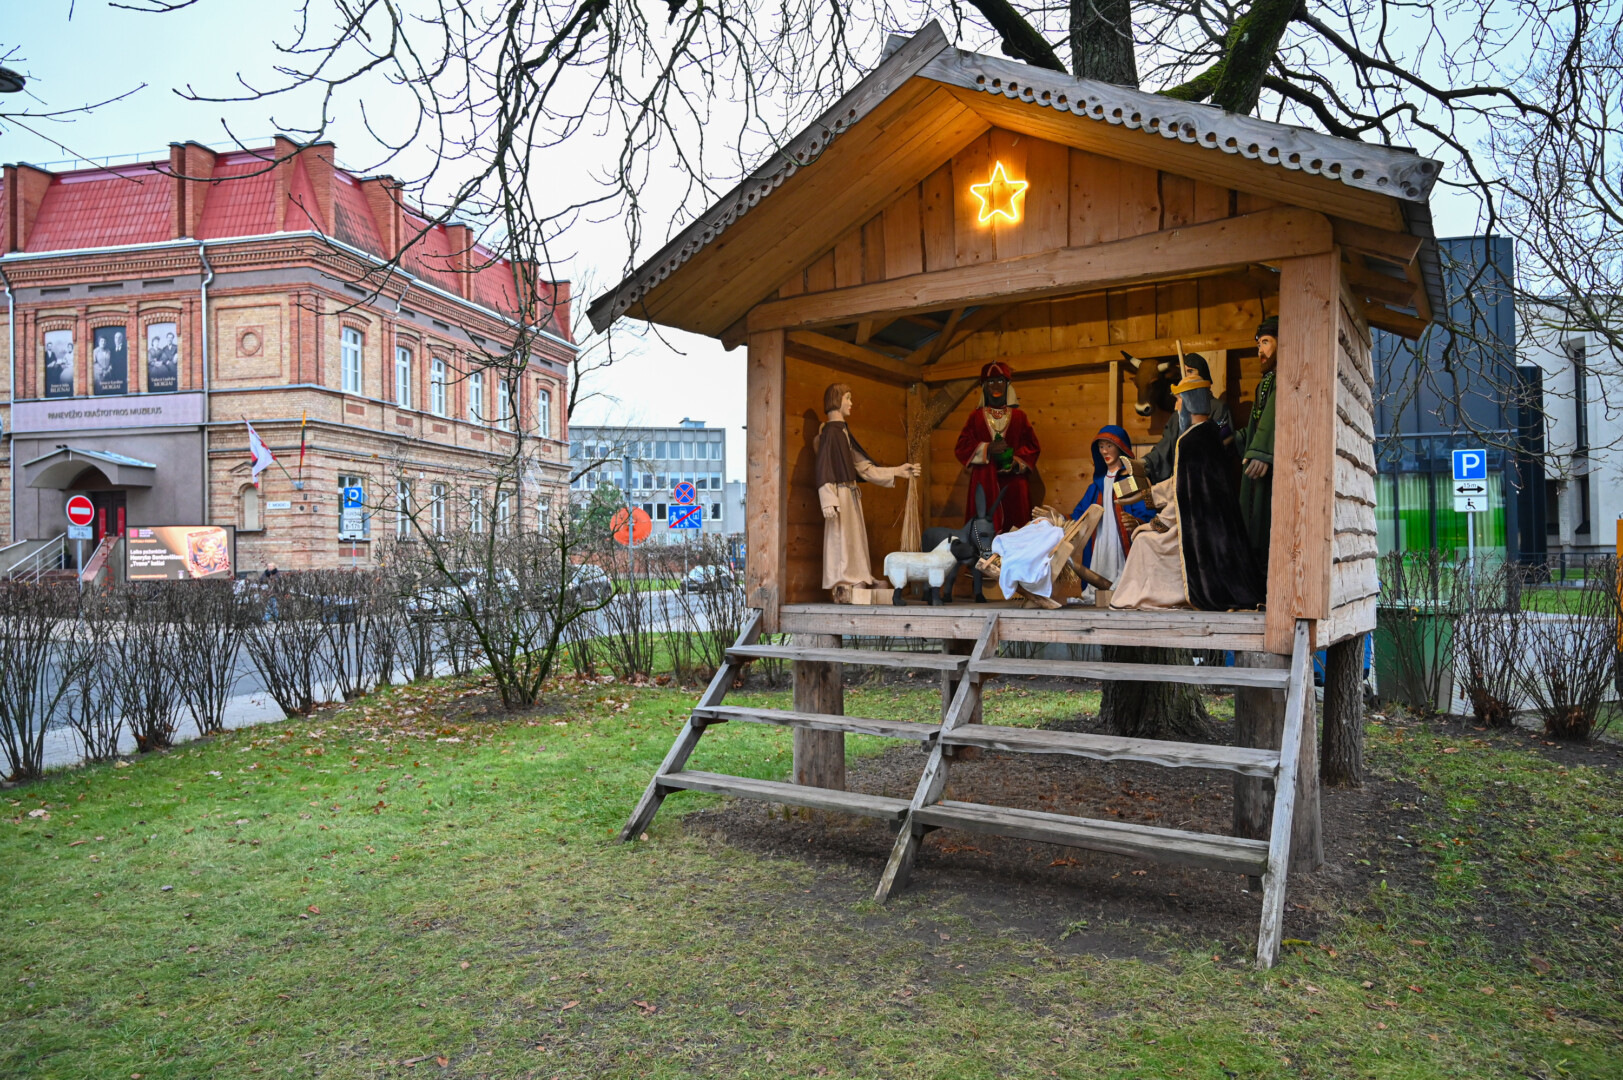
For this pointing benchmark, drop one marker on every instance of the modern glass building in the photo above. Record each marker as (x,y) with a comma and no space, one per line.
(1460,387)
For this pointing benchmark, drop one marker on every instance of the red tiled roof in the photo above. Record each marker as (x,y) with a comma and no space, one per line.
(98,208)
(429,257)
(241,201)
(352,217)
(303,212)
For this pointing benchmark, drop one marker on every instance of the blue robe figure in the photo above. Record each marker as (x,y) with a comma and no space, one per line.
(1106,551)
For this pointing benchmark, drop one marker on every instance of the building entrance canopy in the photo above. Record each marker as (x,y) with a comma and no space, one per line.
(61,467)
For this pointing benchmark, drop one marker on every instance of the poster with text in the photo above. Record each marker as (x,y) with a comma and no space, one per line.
(109,361)
(180,552)
(59,363)
(163,358)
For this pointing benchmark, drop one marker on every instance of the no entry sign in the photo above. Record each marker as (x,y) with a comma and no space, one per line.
(80,511)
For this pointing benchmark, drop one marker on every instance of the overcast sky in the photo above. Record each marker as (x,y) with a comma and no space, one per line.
(102,51)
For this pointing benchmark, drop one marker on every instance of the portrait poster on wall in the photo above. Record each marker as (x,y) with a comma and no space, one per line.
(163,358)
(58,363)
(109,361)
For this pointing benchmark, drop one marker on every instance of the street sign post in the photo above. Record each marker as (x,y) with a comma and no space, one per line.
(1470,496)
(684,495)
(352,518)
(81,512)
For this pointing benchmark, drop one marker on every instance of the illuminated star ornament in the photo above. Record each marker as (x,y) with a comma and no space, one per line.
(1000,197)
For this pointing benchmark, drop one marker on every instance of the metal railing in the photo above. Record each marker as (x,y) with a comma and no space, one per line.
(51,555)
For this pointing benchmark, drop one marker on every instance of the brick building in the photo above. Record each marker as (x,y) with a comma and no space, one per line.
(149,315)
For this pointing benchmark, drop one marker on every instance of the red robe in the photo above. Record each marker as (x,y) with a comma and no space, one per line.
(1015,509)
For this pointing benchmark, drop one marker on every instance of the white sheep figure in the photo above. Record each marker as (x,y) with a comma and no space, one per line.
(930,567)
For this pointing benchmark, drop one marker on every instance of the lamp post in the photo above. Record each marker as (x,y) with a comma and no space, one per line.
(11,82)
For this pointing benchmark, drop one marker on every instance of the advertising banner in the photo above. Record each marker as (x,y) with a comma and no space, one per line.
(163,358)
(58,363)
(179,552)
(109,361)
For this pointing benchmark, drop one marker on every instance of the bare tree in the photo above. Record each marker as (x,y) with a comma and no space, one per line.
(210,625)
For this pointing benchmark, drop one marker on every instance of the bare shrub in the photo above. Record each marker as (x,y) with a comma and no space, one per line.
(91,707)
(284,636)
(1569,659)
(37,670)
(627,623)
(357,628)
(145,643)
(1415,608)
(710,611)
(209,633)
(1488,641)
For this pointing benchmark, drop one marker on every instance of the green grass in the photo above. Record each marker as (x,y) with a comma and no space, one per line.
(362,893)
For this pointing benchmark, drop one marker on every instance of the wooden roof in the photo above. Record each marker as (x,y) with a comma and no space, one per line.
(923,103)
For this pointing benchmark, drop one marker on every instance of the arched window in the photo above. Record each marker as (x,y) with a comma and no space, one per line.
(250,516)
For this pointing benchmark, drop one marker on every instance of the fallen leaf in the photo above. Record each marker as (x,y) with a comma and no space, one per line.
(1540,965)
(1485,989)
(465,965)
(1418,941)
(76,843)
(442,1061)
(312,909)
(1449,750)
(1416,989)
(571,1005)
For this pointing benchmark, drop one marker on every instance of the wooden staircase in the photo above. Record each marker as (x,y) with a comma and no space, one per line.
(928,810)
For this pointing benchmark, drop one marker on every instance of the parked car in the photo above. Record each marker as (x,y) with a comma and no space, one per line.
(590,584)
(445,597)
(704,579)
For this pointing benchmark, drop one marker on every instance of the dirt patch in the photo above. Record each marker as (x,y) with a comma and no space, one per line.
(1095,900)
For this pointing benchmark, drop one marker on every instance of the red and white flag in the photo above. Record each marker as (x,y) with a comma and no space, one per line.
(259,452)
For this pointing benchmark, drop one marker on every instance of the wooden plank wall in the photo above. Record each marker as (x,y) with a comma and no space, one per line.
(1067,410)
(876,422)
(1075,199)
(1354,579)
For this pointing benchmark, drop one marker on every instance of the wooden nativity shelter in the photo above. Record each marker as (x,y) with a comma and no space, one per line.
(859,254)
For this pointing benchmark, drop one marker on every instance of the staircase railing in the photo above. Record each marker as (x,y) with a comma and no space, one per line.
(33,566)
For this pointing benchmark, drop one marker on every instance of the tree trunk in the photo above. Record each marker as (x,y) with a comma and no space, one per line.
(1343,762)
(819,688)
(1253,42)
(1102,41)
(1152,710)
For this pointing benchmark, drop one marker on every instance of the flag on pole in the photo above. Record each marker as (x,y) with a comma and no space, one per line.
(259,452)
(303,420)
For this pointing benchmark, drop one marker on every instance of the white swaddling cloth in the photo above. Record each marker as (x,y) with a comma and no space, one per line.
(1025,554)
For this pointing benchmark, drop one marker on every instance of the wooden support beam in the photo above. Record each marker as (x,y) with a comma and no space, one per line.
(1373,285)
(1304,469)
(1050,365)
(1398,247)
(943,339)
(819,687)
(766,511)
(857,359)
(1397,322)
(966,327)
(1281,233)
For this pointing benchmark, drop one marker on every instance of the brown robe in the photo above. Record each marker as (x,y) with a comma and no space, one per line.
(841,463)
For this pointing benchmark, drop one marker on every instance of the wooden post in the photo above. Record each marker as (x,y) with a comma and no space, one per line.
(819,688)
(1259,721)
(1342,760)
(766,491)
(1303,537)
(949,688)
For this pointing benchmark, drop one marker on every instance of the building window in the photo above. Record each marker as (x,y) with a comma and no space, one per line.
(715,513)
(543,413)
(1582,487)
(436,508)
(506,403)
(476,510)
(350,357)
(476,396)
(659,511)
(348,480)
(402,502)
(715,451)
(543,515)
(1577,352)
(436,387)
(504,512)
(715,481)
(402,376)
(687,451)
(252,521)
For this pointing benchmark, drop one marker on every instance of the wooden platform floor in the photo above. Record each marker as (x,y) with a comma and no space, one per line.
(1239,630)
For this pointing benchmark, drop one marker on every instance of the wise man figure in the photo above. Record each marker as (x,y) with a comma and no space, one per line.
(1257,478)
(999,448)
(1195,552)
(841,464)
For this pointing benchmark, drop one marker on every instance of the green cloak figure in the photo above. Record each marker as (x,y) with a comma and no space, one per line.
(1257,480)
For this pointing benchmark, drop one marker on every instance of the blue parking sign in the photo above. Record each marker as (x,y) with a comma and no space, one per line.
(1470,464)
(352,498)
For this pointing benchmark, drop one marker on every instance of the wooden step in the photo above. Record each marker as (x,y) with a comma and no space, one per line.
(1166,845)
(1240,759)
(890,729)
(842,802)
(934,661)
(1198,674)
